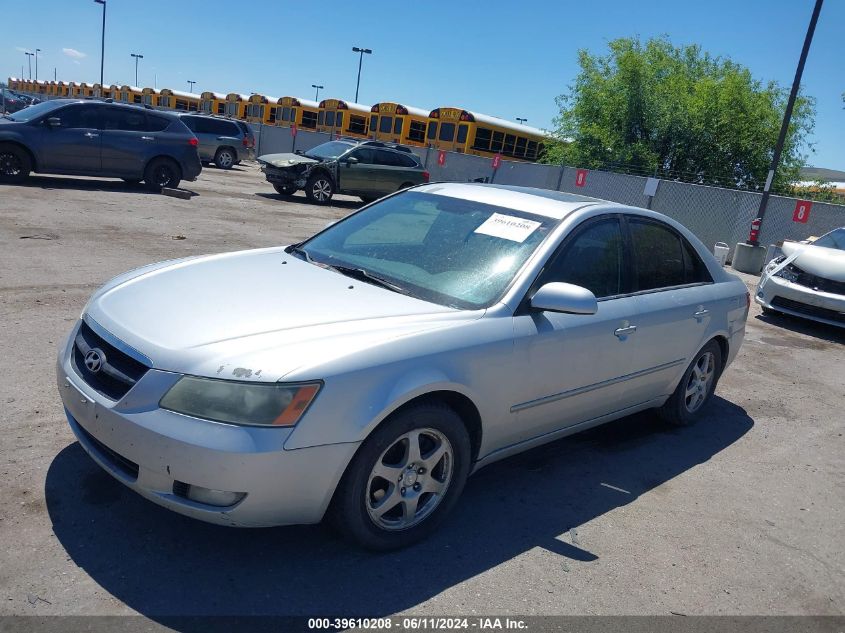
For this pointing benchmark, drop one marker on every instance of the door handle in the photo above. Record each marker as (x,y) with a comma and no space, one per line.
(622,332)
(148,138)
(700,314)
(91,135)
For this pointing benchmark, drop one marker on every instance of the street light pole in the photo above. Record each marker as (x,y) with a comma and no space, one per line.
(521,120)
(317,95)
(137,56)
(362,51)
(191,85)
(37,50)
(29,61)
(787,115)
(102,40)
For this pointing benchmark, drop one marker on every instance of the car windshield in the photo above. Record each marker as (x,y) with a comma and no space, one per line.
(834,239)
(329,150)
(35,111)
(436,248)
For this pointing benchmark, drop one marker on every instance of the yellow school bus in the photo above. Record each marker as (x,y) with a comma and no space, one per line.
(14,84)
(149,96)
(128,94)
(86,90)
(212,102)
(303,112)
(458,130)
(342,117)
(262,109)
(61,89)
(236,105)
(398,123)
(178,100)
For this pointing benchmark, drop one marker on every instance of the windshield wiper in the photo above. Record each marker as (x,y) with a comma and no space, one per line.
(367,276)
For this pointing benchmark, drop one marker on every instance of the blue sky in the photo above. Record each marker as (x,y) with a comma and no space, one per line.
(508,59)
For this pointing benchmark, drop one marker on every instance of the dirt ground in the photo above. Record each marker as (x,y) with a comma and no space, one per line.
(740,514)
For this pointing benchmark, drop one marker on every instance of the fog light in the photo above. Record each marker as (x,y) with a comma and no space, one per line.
(211,497)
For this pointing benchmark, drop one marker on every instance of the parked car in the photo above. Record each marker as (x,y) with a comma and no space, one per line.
(10,102)
(225,142)
(368,169)
(97,138)
(363,374)
(807,281)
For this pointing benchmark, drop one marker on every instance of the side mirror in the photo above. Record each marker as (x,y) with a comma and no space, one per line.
(54,121)
(351,161)
(568,298)
(299,152)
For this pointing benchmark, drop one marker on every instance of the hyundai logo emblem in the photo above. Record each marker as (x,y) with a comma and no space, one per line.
(94,360)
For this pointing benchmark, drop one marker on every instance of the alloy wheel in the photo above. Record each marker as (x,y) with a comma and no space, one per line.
(10,164)
(322,189)
(225,159)
(409,479)
(700,380)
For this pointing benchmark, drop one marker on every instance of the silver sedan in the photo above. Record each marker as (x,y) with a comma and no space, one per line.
(364,373)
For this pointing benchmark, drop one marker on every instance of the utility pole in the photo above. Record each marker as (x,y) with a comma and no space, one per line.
(191,85)
(102,40)
(137,56)
(37,50)
(787,116)
(29,61)
(521,120)
(362,51)
(317,95)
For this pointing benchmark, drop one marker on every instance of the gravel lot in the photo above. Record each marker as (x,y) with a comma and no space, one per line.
(741,514)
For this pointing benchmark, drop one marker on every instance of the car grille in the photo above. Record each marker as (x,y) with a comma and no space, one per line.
(808,310)
(118,461)
(819,283)
(118,373)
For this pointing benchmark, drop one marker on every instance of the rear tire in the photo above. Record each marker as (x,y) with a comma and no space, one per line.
(162,173)
(225,158)
(15,164)
(319,189)
(285,190)
(392,496)
(695,390)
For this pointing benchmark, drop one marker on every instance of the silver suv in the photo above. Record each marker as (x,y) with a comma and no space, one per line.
(225,142)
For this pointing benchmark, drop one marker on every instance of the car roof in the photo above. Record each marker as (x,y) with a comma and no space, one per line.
(552,204)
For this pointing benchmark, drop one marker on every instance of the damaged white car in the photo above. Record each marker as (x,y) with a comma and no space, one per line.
(808,280)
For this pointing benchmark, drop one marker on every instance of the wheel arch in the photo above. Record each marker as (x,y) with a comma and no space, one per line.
(166,157)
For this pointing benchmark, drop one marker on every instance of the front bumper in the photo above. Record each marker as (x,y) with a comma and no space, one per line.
(155,452)
(784,296)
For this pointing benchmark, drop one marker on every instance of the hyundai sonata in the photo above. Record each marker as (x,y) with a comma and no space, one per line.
(364,373)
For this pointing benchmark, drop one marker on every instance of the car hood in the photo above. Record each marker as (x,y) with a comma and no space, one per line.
(256,315)
(817,260)
(285,160)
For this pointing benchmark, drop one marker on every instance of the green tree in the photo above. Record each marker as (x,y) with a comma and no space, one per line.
(678,111)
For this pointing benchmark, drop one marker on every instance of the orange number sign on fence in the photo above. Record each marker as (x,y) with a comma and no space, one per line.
(802,211)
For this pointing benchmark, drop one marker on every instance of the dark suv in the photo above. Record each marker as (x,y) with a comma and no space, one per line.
(97,138)
(368,169)
(226,142)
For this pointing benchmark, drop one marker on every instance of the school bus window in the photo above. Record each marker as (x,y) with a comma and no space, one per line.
(309,119)
(320,117)
(432,130)
(339,120)
(386,124)
(416,131)
(137,99)
(221,108)
(273,113)
(532,149)
(510,140)
(498,139)
(357,124)
(293,115)
(329,119)
(397,125)
(447,132)
(520,146)
(373,122)
(482,139)
(285,113)
(462,134)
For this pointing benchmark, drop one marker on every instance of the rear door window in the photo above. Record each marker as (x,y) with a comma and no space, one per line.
(125,119)
(658,254)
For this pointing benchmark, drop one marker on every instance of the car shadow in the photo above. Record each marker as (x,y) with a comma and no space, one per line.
(85,184)
(301,199)
(797,325)
(162,564)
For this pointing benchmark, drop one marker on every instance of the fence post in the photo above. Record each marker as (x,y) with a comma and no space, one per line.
(560,176)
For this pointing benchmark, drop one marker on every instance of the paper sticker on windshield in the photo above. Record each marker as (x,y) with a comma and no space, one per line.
(508,227)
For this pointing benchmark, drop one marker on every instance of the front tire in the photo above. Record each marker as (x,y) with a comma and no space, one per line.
(404,479)
(319,189)
(15,164)
(695,390)
(225,158)
(162,173)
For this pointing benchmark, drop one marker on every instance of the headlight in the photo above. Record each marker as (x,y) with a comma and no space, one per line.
(789,272)
(263,404)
